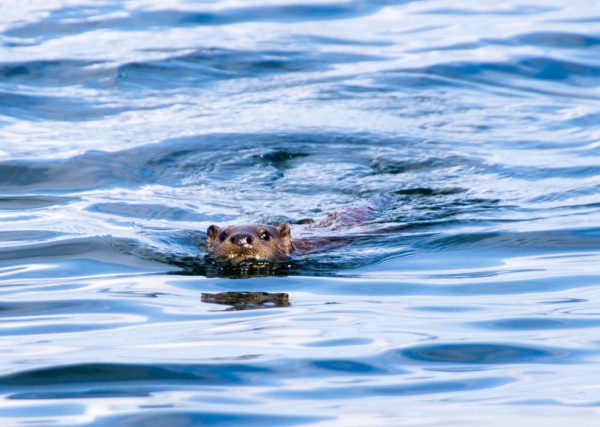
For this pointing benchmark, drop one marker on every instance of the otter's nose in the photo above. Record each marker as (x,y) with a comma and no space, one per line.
(241,239)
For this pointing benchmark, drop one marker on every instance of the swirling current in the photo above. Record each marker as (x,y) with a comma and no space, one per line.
(469,296)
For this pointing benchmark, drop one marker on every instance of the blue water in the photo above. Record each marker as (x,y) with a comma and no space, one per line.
(471,297)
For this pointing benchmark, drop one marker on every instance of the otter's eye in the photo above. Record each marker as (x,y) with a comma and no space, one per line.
(265,236)
(222,236)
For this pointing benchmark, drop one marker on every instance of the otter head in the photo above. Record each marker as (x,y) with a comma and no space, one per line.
(237,243)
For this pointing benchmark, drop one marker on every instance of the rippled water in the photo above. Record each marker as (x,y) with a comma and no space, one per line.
(471,296)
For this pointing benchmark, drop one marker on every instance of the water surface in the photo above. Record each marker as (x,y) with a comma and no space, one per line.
(470,296)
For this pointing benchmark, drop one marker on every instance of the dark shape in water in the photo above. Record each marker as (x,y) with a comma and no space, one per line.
(247,300)
(236,244)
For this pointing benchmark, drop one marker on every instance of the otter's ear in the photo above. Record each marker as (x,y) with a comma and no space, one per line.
(211,233)
(284,231)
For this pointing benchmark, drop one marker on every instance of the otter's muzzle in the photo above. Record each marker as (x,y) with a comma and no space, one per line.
(242,240)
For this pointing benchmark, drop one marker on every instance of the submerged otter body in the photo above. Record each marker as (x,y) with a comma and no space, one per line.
(238,243)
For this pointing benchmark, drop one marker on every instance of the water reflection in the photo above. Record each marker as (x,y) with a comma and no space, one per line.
(247,300)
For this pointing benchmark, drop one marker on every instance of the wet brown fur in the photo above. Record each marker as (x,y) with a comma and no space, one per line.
(221,247)
(237,243)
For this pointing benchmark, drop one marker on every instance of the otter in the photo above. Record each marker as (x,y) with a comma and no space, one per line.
(265,243)
(259,242)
